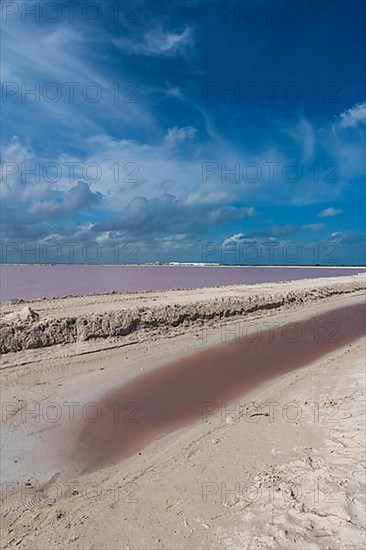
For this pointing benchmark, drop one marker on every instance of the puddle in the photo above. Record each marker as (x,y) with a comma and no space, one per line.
(121,422)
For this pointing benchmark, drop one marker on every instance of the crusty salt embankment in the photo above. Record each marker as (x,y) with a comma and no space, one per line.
(43,323)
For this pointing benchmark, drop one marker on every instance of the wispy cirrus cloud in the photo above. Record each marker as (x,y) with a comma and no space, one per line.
(55,61)
(159,42)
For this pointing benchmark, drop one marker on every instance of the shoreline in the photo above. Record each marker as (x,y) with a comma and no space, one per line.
(120,315)
(192,264)
(31,282)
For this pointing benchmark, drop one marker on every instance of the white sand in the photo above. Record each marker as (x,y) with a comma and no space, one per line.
(233,482)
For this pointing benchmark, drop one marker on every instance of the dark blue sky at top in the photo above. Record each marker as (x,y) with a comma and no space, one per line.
(298,69)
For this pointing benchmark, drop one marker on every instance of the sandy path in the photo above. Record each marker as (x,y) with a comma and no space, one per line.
(288,480)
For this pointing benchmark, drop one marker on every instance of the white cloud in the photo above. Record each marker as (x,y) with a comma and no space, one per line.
(353,116)
(304,135)
(159,43)
(330,212)
(313,226)
(211,197)
(61,55)
(232,213)
(178,135)
(234,239)
(349,238)
(173,91)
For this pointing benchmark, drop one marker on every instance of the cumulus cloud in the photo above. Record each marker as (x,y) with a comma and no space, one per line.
(330,212)
(31,206)
(24,217)
(75,200)
(166,215)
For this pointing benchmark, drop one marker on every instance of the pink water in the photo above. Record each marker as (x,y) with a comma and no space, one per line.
(36,281)
(176,394)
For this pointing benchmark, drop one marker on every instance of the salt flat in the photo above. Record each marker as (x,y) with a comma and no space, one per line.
(278,466)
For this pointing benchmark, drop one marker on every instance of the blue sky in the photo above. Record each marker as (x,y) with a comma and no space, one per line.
(161,127)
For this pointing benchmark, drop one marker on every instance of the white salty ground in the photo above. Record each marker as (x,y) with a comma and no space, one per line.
(271,482)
